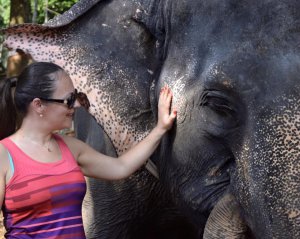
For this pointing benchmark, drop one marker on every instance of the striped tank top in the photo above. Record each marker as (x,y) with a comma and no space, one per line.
(43,200)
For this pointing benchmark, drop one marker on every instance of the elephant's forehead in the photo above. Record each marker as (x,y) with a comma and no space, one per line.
(249,43)
(241,71)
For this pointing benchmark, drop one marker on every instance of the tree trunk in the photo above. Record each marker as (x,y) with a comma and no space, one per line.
(20,12)
(46,11)
(34,14)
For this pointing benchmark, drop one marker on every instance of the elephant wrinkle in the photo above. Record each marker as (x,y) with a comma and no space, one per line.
(214,172)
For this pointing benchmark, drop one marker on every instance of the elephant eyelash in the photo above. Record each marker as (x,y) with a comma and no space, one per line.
(217,103)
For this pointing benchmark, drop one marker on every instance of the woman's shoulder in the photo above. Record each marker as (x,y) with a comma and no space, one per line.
(3,151)
(74,144)
(4,160)
(69,140)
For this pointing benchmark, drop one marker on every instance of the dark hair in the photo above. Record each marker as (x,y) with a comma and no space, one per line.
(35,81)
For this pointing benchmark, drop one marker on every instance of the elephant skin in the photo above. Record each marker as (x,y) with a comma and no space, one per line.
(116,73)
(234,70)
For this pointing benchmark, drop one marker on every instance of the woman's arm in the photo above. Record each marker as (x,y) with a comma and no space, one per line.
(2,188)
(94,164)
(4,162)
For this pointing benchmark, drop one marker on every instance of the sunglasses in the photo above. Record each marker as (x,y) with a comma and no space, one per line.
(70,101)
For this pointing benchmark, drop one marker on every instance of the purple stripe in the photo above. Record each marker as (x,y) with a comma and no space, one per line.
(49,226)
(76,196)
(53,217)
(58,232)
(77,193)
(19,237)
(65,231)
(66,209)
(68,186)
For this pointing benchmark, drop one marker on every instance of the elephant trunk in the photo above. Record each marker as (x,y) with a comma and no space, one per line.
(225,221)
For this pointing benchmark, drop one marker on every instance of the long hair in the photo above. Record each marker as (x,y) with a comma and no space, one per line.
(8,112)
(35,81)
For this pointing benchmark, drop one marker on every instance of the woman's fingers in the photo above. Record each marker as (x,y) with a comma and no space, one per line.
(173,114)
(166,118)
(166,95)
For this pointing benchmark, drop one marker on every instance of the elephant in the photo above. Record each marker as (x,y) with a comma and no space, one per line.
(229,166)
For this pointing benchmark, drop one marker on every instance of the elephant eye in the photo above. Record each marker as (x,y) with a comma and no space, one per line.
(218,103)
(220,110)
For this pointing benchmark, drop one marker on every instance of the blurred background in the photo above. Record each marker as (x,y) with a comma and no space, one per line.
(14,12)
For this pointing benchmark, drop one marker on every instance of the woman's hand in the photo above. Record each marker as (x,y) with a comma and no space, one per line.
(106,167)
(165,117)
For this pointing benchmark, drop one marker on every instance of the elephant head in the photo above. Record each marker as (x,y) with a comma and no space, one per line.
(233,67)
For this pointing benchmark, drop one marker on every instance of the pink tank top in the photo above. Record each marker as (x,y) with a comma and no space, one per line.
(44,200)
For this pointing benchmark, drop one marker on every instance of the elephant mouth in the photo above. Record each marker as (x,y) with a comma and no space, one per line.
(219,164)
(224,165)
(151,167)
(202,191)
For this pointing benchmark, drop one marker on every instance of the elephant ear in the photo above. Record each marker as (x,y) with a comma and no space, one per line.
(109,56)
(75,11)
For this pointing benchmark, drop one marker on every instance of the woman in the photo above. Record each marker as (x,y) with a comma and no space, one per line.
(42,184)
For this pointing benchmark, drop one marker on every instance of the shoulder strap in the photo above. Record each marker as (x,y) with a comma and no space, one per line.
(11,163)
(66,152)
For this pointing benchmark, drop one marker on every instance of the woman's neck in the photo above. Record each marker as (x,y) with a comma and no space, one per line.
(34,130)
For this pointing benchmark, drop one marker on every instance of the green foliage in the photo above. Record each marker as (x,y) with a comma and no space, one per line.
(4,20)
(54,8)
(4,12)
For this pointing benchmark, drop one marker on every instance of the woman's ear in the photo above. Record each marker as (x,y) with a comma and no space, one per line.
(37,106)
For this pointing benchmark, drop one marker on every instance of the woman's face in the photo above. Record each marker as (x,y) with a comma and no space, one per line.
(58,115)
